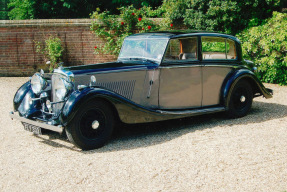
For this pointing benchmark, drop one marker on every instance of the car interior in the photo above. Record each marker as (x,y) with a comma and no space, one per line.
(212,48)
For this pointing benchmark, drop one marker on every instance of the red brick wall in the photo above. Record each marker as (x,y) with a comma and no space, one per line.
(17,51)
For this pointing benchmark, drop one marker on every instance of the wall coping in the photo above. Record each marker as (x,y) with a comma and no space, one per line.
(53,22)
(46,22)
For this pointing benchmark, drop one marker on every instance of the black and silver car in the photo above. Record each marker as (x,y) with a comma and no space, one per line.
(158,76)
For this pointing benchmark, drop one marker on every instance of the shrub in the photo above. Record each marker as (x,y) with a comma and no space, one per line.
(52,51)
(114,28)
(266,45)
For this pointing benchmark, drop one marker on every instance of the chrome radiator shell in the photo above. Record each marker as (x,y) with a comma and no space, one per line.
(56,108)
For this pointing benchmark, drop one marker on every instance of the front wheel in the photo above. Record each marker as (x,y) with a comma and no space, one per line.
(240,99)
(92,125)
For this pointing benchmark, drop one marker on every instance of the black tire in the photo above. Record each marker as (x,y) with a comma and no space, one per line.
(240,100)
(80,130)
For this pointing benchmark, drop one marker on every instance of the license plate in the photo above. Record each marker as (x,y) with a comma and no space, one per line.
(36,130)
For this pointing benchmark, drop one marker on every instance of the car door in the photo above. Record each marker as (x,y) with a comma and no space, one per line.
(181,75)
(218,59)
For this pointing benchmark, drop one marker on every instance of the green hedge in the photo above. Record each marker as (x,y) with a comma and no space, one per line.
(217,15)
(266,45)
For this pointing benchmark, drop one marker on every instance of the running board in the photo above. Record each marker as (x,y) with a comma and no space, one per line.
(193,112)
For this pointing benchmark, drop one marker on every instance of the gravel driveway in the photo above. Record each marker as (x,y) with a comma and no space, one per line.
(206,153)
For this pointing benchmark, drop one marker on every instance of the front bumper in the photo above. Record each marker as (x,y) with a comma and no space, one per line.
(44,125)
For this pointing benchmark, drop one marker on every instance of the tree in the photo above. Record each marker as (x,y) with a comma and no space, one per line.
(216,15)
(61,9)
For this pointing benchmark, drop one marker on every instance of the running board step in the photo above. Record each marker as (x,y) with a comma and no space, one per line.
(193,112)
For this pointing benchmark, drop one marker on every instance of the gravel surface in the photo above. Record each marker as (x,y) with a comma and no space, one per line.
(206,153)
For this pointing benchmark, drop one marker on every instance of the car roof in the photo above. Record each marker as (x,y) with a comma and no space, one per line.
(179,34)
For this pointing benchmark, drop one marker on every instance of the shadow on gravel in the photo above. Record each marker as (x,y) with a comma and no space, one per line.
(134,136)
(143,135)
(54,137)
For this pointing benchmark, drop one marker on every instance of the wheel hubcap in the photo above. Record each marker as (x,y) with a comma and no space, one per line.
(95,124)
(91,128)
(242,98)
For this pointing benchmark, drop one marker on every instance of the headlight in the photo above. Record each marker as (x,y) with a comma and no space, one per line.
(62,87)
(38,83)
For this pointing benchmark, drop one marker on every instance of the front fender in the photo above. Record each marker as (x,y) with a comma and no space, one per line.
(238,75)
(20,94)
(72,105)
(77,98)
(127,110)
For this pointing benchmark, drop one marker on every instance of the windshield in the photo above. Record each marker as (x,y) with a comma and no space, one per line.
(152,49)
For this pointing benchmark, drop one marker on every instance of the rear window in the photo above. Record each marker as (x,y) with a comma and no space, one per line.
(218,48)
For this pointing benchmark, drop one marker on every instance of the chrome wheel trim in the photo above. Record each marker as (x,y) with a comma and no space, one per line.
(95,124)
(242,99)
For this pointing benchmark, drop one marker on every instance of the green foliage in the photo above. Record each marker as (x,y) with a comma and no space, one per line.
(3,15)
(114,28)
(21,9)
(3,10)
(266,45)
(216,15)
(61,9)
(214,47)
(137,3)
(52,51)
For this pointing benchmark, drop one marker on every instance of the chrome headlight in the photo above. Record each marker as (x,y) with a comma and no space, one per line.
(62,87)
(38,83)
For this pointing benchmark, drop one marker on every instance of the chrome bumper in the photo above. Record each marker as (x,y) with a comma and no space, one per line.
(58,128)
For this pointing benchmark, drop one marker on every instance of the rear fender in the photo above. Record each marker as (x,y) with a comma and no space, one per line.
(238,75)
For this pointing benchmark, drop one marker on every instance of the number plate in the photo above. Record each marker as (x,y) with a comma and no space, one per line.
(36,130)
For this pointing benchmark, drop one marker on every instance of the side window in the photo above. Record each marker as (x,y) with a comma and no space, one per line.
(218,48)
(181,49)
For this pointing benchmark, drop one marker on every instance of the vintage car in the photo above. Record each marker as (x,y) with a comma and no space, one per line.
(158,76)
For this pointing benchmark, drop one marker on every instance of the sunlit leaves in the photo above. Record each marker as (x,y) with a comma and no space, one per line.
(114,28)
(266,45)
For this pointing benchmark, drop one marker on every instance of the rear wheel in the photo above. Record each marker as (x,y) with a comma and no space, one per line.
(240,100)
(92,126)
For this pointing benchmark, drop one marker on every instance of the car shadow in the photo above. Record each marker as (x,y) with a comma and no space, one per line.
(54,139)
(129,137)
(143,135)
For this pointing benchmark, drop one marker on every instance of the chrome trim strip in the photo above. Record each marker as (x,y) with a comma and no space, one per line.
(180,66)
(223,65)
(53,103)
(115,71)
(58,128)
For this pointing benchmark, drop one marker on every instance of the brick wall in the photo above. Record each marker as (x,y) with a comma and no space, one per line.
(17,52)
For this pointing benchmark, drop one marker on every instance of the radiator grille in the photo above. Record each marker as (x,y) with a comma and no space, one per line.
(56,108)
(124,88)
